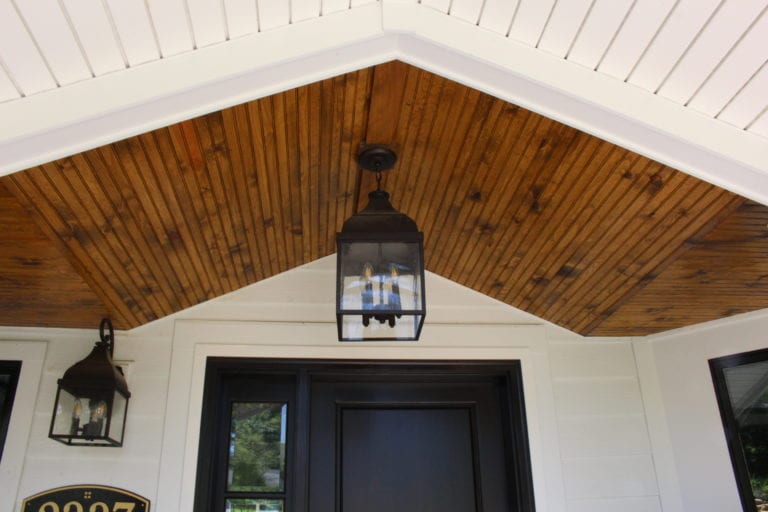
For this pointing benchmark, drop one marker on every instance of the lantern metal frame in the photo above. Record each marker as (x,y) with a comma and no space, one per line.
(379,222)
(95,378)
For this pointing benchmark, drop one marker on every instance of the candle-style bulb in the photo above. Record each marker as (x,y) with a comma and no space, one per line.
(367,294)
(77,409)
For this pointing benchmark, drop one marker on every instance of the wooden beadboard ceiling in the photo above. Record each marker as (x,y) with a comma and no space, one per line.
(548,219)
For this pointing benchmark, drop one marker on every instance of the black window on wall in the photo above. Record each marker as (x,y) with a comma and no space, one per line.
(741,386)
(9,378)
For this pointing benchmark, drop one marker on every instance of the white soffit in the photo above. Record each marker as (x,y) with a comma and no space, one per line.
(681,81)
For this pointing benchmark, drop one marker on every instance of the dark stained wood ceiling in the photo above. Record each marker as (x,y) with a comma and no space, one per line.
(578,231)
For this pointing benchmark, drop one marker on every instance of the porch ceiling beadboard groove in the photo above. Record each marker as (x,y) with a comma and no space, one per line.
(36,283)
(725,269)
(522,208)
(168,219)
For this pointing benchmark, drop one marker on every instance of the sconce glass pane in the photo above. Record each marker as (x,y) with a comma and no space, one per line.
(257,447)
(119,407)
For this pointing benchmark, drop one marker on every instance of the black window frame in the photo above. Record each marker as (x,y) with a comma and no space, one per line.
(13,370)
(717,368)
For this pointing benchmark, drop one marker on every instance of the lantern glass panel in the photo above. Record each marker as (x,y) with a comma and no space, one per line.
(380,283)
(84,418)
(117,423)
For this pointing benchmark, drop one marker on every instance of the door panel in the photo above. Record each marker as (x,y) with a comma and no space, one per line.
(406,459)
(440,458)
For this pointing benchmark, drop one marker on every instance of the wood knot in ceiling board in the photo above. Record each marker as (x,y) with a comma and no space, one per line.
(485,228)
(29,262)
(476,196)
(655,183)
(627,175)
(540,281)
(536,196)
(567,271)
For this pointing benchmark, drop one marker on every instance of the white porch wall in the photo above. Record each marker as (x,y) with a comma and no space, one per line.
(586,411)
(687,396)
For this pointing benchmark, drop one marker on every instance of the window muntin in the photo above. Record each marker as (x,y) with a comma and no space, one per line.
(741,384)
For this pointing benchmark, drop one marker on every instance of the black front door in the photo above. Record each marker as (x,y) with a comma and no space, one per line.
(358,437)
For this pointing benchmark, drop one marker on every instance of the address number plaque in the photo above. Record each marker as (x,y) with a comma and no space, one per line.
(85,498)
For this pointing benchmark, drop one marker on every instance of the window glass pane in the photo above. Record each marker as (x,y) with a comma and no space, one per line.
(9,376)
(748,392)
(257,449)
(254,505)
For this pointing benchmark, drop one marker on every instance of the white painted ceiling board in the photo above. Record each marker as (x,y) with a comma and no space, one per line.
(640,27)
(746,59)
(97,37)
(749,102)
(134,30)
(468,10)
(760,126)
(21,57)
(729,24)
(172,26)
(497,15)
(358,3)
(530,20)
(242,18)
(601,26)
(440,5)
(55,39)
(273,13)
(679,30)
(563,25)
(208,21)
(8,91)
(304,9)
(331,6)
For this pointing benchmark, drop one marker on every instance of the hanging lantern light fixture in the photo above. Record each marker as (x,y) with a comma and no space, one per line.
(92,398)
(380,266)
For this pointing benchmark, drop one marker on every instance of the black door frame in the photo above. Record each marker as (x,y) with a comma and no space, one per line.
(214,420)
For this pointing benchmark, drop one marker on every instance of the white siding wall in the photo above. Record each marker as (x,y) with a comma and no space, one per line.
(691,418)
(586,414)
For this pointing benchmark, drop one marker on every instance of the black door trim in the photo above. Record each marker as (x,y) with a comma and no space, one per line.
(214,422)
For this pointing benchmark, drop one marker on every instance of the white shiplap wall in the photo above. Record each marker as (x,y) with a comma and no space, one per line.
(592,449)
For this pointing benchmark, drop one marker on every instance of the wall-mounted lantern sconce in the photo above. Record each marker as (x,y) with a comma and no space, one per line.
(380,266)
(92,398)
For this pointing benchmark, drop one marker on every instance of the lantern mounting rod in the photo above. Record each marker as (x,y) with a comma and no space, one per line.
(107,339)
(376,158)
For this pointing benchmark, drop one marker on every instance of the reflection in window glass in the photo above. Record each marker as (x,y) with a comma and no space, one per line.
(257,452)
(254,505)
(748,393)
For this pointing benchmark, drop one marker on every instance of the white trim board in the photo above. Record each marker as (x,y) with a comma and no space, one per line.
(195,340)
(94,112)
(32,356)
